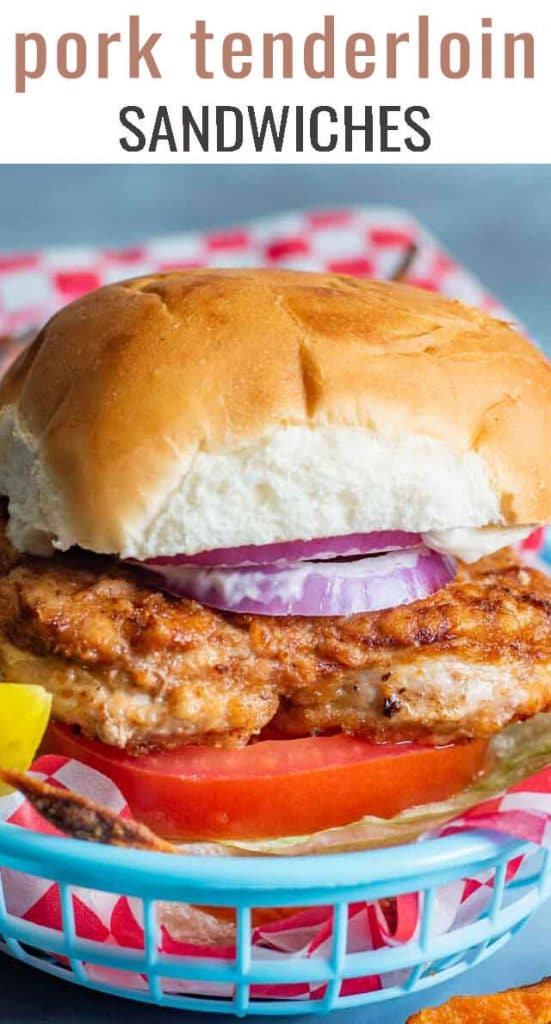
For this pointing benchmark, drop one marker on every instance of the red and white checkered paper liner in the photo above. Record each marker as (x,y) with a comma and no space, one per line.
(366,242)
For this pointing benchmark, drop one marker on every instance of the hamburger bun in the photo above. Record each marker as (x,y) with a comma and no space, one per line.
(215,408)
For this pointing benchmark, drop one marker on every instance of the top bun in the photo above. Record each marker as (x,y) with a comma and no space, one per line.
(214,408)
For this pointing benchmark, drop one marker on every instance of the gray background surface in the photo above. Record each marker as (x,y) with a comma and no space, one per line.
(497,220)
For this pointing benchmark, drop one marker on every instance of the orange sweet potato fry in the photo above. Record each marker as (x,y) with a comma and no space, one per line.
(529,1005)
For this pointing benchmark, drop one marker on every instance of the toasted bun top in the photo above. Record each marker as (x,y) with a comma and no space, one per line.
(213,408)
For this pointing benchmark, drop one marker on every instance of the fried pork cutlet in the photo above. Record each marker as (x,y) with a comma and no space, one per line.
(138,669)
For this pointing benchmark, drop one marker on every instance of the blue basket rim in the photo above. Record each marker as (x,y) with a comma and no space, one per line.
(83,863)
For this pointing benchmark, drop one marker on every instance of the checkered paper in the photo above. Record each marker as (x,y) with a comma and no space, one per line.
(366,242)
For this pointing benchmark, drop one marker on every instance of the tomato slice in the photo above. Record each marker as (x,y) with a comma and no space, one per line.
(275,787)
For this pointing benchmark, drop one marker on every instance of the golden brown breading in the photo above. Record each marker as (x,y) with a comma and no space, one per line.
(528,1005)
(137,668)
(462,663)
(127,663)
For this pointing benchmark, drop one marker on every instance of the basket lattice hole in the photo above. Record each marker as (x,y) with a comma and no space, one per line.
(265,933)
(264,993)
(87,913)
(31,912)
(115,979)
(198,990)
(21,893)
(9,912)
(38,957)
(183,924)
(526,874)
(445,968)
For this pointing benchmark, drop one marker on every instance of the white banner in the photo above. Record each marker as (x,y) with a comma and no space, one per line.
(209,81)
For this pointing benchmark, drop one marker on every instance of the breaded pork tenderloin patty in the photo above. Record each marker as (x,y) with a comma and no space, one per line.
(136,668)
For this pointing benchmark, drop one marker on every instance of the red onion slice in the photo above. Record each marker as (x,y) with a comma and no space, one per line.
(313,588)
(286,552)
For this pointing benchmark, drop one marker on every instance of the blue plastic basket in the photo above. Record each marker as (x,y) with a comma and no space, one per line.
(245,883)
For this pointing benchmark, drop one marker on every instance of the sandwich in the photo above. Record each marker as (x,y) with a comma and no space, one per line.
(260,542)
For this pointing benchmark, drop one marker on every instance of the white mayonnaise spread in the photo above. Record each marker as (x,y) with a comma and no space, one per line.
(469,544)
